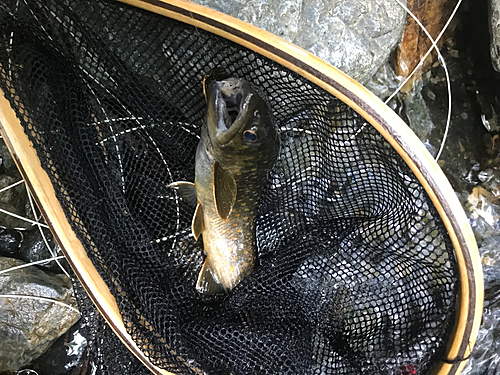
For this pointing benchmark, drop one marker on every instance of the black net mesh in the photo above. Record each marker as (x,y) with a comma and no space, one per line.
(356,271)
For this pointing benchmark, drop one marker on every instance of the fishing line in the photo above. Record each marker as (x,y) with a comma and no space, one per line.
(31,264)
(51,251)
(44,299)
(441,60)
(23,218)
(11,186)
(199,37)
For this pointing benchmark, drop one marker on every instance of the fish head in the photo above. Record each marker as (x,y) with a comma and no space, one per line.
(239,123)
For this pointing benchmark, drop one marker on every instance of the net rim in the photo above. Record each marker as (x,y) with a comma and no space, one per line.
(372,109)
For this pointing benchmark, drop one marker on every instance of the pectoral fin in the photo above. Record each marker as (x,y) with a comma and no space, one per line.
(208,283)
(224,191)
(186,190)
(198,222)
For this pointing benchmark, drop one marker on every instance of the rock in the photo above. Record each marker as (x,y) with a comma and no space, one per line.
(67,356)
(33,248)
(13,200)
(8,165)
(495,33)
(28,326)
(482,208)
(433,14)
(354,36)
(425,108)
(10,242)
(410,106)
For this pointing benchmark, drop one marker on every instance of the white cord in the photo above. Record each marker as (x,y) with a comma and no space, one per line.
(45,299)
(31,264)
(441,60)
(49,248)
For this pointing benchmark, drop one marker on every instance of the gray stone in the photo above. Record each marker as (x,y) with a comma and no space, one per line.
(354,36)
(34,248)
(10,242)
(8,164)
(13,200)
(67,356)
(495,33)
(28,326)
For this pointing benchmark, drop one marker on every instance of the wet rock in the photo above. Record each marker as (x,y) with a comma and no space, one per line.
(10,242)
(433,14)
(495,33)
(410,106)
(34,248)
(354,36)
(425,109)
(492,159)
(29,326)
(13,200)
(482,208)
(67,356)
(7,166)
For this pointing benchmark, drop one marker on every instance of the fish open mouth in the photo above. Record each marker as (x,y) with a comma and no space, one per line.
(230,97)
(232,108)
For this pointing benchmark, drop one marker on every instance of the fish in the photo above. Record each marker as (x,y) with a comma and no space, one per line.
(238,146)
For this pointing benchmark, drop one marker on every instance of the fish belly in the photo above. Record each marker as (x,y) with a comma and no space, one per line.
(229,251)
(228,243)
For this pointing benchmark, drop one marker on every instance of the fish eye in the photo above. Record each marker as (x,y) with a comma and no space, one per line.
(250,135)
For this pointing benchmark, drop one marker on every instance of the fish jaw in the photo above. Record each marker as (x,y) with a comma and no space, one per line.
(235,110)
(230,105)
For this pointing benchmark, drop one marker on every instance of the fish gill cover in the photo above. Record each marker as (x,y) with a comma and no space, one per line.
(355,271)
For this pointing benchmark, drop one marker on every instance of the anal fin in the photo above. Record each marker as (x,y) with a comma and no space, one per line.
(198,224)
(208,283)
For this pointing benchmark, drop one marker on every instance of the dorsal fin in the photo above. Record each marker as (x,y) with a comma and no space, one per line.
(224,190)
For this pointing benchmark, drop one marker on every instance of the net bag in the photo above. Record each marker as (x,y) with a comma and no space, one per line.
(365,260)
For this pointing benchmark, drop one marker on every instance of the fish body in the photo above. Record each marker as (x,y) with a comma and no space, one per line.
(239,145)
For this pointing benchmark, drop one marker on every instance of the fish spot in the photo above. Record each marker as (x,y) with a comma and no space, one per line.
(238,230)
(236,215)
(231,269)
(245,217)
(243,204)
(235,258)
(247,209)
(235,225)
(230,249)
(234,238)
(223,231)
